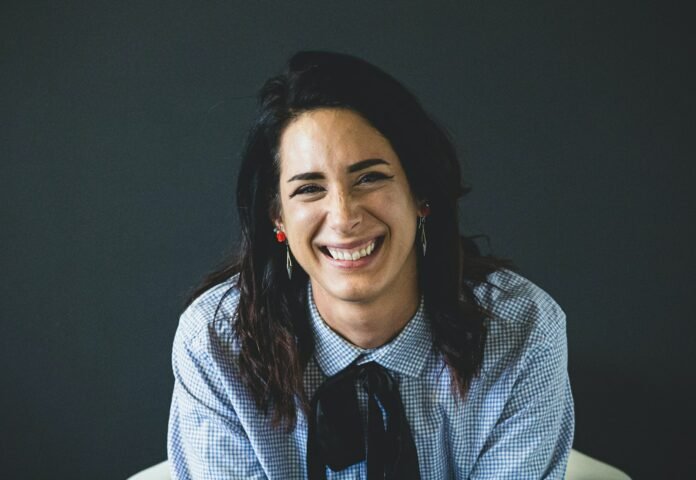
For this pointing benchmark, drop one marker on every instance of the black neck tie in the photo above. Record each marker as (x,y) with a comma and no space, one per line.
(335,436)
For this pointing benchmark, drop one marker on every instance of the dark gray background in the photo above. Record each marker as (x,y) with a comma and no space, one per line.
(121,122)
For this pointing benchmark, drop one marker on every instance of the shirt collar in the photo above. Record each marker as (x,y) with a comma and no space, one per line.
(405,354)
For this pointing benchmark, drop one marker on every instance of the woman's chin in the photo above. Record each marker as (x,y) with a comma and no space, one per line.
(347,290)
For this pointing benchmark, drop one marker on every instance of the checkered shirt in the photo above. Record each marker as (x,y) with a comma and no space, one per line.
(516,421)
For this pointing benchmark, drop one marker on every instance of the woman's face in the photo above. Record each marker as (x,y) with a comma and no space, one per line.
(347,208)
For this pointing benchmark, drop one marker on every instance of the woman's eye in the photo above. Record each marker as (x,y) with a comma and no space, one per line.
(373,177)
(307,189)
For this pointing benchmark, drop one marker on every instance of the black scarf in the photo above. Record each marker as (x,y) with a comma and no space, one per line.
(335,437)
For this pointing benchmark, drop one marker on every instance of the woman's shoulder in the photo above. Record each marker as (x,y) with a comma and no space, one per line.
(521,313)
(205,349)
(211,315)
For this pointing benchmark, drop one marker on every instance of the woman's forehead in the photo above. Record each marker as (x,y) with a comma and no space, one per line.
(330,139)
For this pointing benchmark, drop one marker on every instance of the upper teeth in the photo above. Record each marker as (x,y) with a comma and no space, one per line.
(340,254)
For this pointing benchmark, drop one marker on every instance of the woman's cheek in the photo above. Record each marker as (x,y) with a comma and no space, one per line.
(395,200)
(306,214)
(303,222)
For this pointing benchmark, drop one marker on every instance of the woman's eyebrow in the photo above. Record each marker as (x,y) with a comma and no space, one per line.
(356,167)
(307,176)
(363,164)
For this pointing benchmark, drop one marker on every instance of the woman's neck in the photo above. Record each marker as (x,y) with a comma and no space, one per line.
(368,324)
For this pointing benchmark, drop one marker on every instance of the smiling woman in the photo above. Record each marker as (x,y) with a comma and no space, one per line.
(358,335)
(352,197)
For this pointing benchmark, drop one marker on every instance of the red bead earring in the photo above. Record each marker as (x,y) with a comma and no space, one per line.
(280,235)
(425,209)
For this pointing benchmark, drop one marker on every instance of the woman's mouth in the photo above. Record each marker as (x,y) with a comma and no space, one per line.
(352,254)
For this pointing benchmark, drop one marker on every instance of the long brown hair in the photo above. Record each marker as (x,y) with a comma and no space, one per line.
(271,320)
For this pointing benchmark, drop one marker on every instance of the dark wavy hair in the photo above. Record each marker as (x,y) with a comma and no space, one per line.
(271,321)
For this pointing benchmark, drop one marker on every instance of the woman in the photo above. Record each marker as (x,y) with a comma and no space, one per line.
(358,335)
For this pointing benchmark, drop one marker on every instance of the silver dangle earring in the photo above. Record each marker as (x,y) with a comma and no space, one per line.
(288,262)
(424,240)
(421,226)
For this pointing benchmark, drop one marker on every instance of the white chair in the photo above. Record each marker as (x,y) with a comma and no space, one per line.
(157,472)
(580,467)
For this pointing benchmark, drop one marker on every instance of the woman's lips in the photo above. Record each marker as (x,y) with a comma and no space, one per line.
(360,253)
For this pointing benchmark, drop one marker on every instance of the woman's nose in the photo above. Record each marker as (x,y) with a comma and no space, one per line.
(344,213)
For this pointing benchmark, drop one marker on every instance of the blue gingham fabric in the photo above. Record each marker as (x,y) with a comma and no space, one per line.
(516,422)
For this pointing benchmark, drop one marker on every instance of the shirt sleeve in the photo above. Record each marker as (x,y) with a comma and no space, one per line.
(533,436)
(206,440)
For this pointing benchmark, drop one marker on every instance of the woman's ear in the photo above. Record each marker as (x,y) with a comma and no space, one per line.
(277,222)
(276,217)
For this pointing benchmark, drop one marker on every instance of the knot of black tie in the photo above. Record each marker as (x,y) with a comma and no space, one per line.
(335,429)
